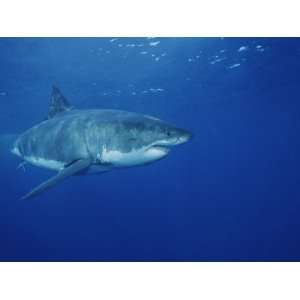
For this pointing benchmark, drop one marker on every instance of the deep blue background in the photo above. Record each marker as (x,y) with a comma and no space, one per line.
(232,193)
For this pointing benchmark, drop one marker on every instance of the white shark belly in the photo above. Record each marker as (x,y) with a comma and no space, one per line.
(45,163)
(40,161)
(132,158)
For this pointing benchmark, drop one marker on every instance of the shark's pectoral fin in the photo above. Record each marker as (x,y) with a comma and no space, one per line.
(75,168)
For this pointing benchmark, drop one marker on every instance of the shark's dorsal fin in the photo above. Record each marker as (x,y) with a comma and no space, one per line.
(58,103)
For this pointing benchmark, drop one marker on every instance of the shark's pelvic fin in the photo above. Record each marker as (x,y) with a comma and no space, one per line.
(73,169)
(22,165)
(58,103)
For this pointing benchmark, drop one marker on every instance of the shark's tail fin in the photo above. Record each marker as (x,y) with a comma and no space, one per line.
(6,143)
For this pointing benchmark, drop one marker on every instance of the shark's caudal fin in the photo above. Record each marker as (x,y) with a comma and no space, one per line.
(58,103)
(6,143)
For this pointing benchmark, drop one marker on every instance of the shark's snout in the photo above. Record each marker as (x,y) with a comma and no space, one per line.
(184,137)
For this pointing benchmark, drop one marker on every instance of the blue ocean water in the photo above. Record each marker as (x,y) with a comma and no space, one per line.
(230,194)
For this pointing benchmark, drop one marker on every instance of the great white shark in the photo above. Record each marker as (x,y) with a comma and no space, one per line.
(77,142)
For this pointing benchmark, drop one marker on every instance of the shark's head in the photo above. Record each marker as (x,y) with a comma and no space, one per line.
(142,141)
(163,136)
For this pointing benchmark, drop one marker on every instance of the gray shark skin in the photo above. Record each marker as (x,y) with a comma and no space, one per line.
(74,142)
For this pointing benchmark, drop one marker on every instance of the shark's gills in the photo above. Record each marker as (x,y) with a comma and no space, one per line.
(75,168)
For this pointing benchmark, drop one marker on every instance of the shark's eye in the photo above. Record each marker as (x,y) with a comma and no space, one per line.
(132,140)
(168,133)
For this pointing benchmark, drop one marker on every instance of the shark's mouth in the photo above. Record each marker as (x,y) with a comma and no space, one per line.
(162,149)
(169,143)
